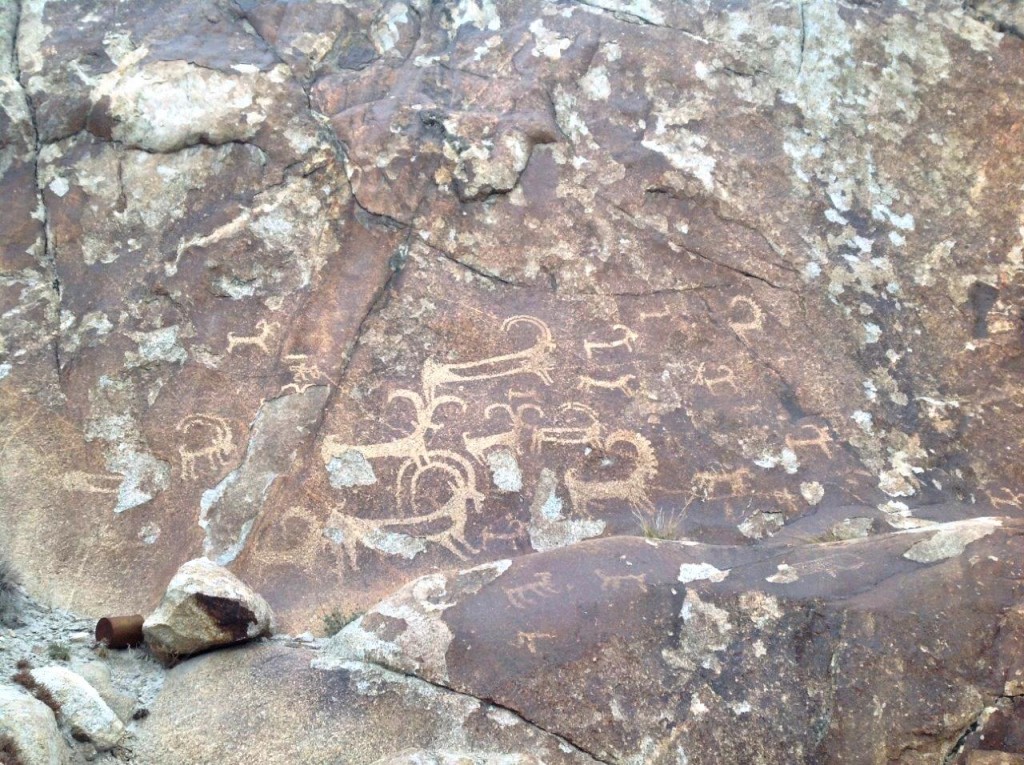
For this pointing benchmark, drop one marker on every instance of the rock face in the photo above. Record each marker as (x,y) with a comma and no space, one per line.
(236,707)
(205,607)
(874,650)
(354,297)
(81,708)
(32,728)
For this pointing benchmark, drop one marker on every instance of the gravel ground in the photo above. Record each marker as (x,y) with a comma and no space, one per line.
(51,636)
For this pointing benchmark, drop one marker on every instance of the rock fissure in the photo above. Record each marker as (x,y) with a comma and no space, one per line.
(490,702)
(638,20)
(48,259)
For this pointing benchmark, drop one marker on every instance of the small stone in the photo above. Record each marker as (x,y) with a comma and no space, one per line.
(81,707)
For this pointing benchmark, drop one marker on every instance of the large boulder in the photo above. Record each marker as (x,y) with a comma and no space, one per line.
(205,606)
(31,729)
(885,649)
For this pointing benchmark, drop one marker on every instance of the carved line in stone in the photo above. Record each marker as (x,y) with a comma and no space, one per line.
(267,330)
(528,594)
(724,376)
(478,446)
(529,639)
(588,433)
(218,439)
(624,383)
(615,582)
(707,482)
(755,322)
(821,440)
(305,375)
(629,337)
(632,489)
(91,483)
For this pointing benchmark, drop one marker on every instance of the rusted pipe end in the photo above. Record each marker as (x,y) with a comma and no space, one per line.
(119,631)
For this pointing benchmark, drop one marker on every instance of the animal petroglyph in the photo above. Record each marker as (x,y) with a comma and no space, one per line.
(91,483)
(529,639)
(627,340)
(615,582)
(587,432)
(412,446)
(260,340)
(748,316)
(304,374)
(707,482)
(821,439)
(632,489)
(535,360)
(1006,498)
(624,383)
(478,446)
(456,472)
(210,440)
(528,594)
(724,376)
(830,565)
(438,478)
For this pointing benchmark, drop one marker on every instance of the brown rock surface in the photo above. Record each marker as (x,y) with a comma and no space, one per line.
(265,704)
(345,295)
(886,649)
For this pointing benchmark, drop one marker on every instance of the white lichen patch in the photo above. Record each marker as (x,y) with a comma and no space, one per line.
(350,469)
(394,543)
(164,106)
(785,574)
(548,43)
(785,458)
(704,633)
(482,14)
(761,608)
(684,149)
(505,473)
(693,572)
(851,528)
(414,637)
(157,345)
(145,476)
(951,539)
(813,492)
(899,516)
(761,524)
(549,529)
(595,84)
(385,33)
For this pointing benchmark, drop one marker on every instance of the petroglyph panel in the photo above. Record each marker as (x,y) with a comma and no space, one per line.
(510,280)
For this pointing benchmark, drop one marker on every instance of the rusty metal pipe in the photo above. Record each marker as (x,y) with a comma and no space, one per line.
(120,631)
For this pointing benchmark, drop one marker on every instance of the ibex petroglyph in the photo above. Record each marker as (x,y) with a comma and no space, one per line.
(217,445)
(631,489)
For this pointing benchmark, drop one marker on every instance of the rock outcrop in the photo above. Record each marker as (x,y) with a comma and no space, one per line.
(387,307)
(640,650)
(205,606)
(235,707)
(31,729)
